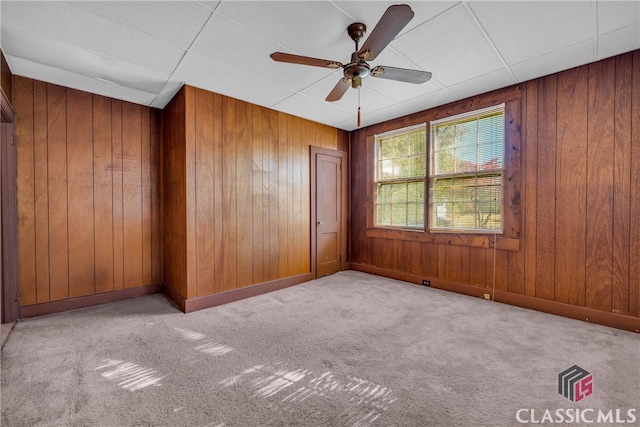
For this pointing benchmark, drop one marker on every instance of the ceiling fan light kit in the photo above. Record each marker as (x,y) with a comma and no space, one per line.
(392,22)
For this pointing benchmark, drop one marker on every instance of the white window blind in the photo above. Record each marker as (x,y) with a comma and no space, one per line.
(466,172)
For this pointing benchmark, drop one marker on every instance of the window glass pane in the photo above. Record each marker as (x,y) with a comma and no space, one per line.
(400,173)
(399,214)
(399,193)
(385,148)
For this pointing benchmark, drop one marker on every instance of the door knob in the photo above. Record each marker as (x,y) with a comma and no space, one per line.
(320,222)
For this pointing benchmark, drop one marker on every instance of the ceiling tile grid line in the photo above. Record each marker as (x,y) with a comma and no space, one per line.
(469,10)
(193,41)
(85,7)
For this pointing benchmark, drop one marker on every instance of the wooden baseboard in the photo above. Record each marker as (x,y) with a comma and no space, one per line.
(590,315)
(207,301)
(87,301)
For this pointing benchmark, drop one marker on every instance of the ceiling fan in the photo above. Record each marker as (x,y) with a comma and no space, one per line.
(392,22)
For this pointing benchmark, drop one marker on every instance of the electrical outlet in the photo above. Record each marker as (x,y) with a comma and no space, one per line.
(486,296)
(426,282)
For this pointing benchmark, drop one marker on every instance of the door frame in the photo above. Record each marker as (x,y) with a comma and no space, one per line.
(314,151)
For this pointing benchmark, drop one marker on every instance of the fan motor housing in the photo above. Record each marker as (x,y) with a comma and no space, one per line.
(356,68)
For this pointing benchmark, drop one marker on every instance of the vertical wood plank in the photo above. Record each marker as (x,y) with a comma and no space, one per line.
(513,173)
(378,251)
(244,168)
(546,191)
(477,266)
(24,139)
(147,212)
(41,190)
(529,187)
(218,197)
(453,263)
(229,214)
(191,190)
(295,219)
(571,170)
(397,254)
(80,193)
(430,259)
(118,195)
(442,262)
(283,193)
(274,210)
(416,258)
(305,195)
(103,194)
(600,157)
(156,200)
(57,176)
(622,184)
(501,270)
(291,191)
(205,217)
(634,227)
(465,274)
(132,193)
(258,202)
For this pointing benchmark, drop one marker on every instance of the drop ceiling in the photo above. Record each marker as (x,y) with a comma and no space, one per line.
(144,51)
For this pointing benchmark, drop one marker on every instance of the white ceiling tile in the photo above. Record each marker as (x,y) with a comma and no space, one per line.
(349,101)
(430,100)
(370,12)
(70,57)
(613,15)
(616,42)
(309,28)
(451,46)
(67,23)
(177,22)
(24,67)
(378,116)
(563,59)
(211,5)
(311,108)
(486,83)
(254,58)
(522,30)
(205,73)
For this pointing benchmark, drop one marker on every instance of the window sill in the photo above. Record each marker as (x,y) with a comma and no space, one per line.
(486,241)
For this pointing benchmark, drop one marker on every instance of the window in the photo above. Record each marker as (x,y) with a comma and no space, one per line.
(400,178)
(466,171)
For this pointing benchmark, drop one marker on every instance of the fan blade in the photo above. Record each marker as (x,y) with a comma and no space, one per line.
(305,60)
(392,22)
(339,90)
(400,74)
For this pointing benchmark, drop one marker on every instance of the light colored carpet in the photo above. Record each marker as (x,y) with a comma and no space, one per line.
(350,349)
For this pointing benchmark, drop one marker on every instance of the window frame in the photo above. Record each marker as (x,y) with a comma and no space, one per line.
(509,239)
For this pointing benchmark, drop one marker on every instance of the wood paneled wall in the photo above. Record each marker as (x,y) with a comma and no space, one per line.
(237,192)
(89,192)
(580,198)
